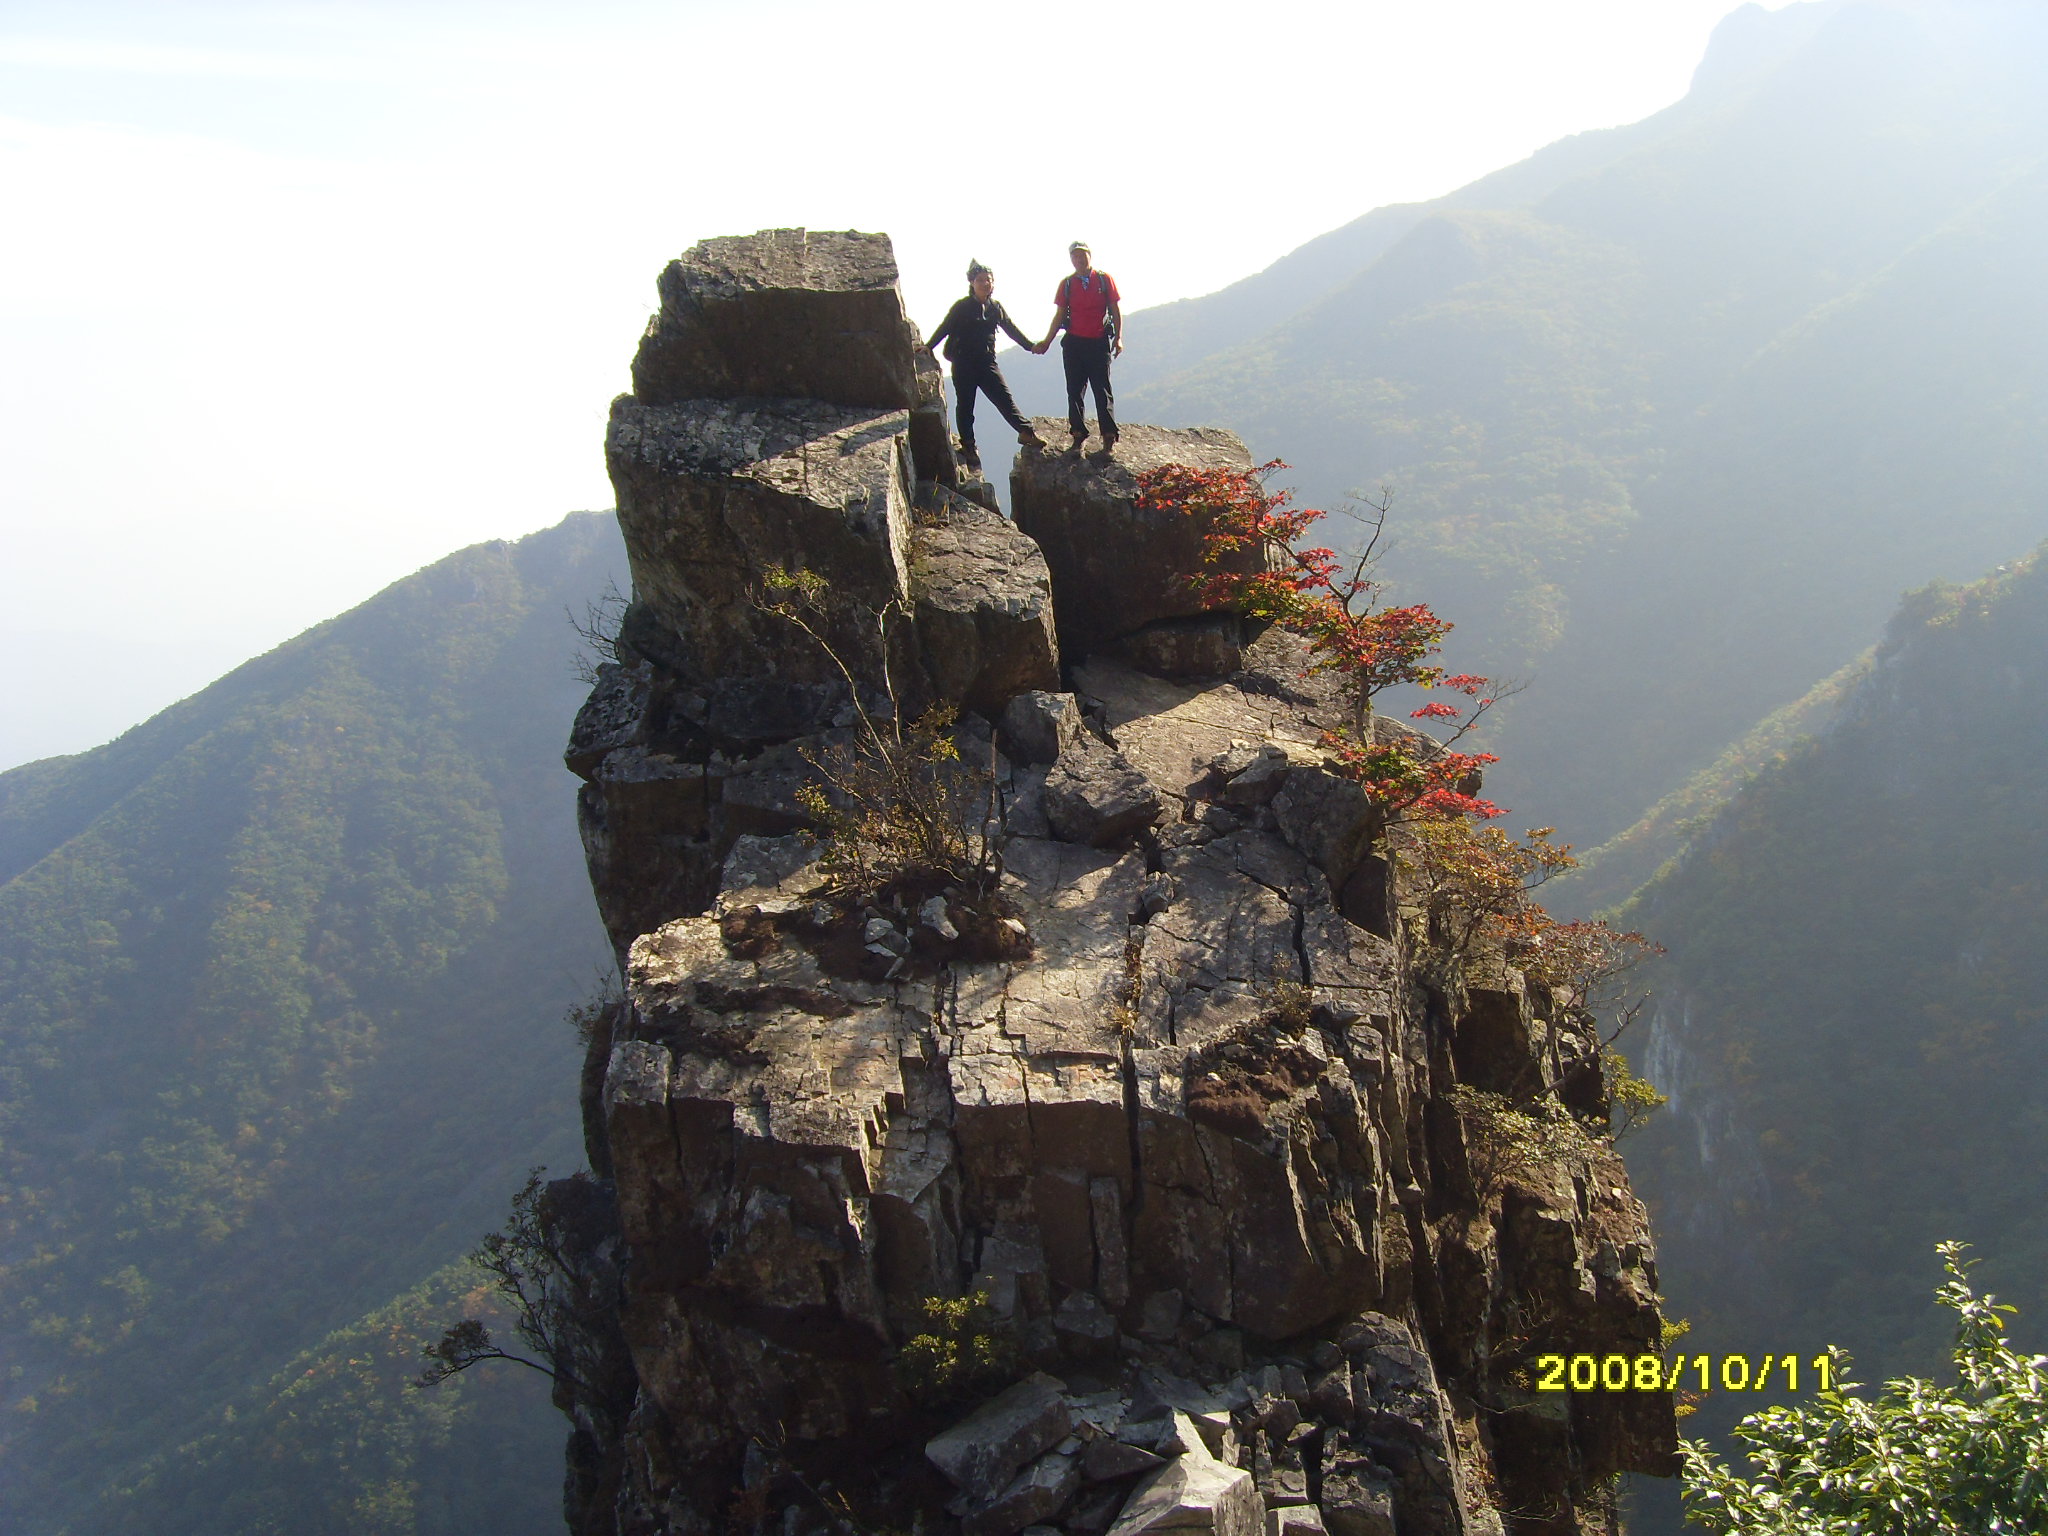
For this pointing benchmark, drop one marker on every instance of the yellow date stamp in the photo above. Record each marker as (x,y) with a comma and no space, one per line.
(1700,1373)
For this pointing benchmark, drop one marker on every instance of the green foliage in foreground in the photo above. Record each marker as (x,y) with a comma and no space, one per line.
(1922,1460)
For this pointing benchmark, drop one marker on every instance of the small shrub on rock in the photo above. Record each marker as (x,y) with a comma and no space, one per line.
(898,804)
(1503,1140)
(1335,604)
(962,1355)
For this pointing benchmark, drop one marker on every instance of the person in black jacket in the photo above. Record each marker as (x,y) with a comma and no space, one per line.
(969,332)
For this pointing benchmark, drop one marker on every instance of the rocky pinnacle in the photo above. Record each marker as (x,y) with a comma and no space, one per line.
(1129,1198)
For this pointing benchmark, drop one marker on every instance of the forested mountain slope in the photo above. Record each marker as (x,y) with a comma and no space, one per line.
(1852,1020)
(282,982)
(1672,414)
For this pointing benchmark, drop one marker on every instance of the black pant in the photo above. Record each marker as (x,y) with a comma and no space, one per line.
(967,378)
(1087,360)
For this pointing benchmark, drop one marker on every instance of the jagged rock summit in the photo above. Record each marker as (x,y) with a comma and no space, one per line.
(1119,1192)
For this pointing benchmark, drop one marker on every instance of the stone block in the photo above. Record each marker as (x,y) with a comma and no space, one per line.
(1209,646)
(613,716)
(1037,1493)
(1356,1504)
(983,603)
(1094,796)
(1194,1492)
(931,426)
(984,1451)
(1036,726)
(793,313)
(713,494)
(1115,566)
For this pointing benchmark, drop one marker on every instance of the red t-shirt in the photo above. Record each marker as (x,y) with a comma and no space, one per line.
(1087,299)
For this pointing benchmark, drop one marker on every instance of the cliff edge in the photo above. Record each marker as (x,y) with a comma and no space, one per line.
(1121,1191)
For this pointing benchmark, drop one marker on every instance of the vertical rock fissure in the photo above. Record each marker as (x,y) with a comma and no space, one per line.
(1134,983)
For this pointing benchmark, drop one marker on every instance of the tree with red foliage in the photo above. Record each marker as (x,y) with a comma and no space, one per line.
(1256,561)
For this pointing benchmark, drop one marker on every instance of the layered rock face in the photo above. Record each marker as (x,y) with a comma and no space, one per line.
(694,738)
(1124,1194)
(1119,566)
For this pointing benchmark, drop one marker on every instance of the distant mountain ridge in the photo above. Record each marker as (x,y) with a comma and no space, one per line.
(1673,412)
(1850,1020)
(282,981)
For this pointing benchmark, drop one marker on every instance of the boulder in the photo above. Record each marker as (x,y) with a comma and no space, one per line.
(983,1452)
(1298,1520)
(785,312)
(613,716)
(1194,1492)
(976,489)
(645,822)
(1036,726)
(983,603)
(1037,1493)
(1115,567)
(1083,1324)
(1107,1459)
(1356,1503)
(712,494)
(1093,795)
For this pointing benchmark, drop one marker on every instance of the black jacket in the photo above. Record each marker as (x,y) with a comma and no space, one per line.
(969,331)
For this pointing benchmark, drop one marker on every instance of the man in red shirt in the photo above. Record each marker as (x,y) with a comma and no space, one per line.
(1090,313)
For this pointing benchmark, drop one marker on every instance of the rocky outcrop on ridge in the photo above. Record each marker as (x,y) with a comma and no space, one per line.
(1124,1196)
(1119,567)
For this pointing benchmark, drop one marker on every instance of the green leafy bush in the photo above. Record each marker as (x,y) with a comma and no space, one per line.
(963,1354)
(1503,1139)
(1922,1460)
(897,804)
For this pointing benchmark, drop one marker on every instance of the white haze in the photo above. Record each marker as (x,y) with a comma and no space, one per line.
(296,298)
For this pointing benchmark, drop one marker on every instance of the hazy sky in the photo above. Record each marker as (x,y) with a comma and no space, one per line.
(298,297)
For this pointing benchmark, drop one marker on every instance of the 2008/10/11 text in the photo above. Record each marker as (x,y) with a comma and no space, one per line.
(1650,1373)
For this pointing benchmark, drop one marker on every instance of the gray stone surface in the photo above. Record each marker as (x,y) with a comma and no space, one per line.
(983,1452)
(1115,567)
(1093,795)
(983,605)
(792,313)
(1194,1492)
(712,494)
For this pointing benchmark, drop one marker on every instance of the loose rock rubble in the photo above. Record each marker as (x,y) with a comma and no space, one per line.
(1161,1116)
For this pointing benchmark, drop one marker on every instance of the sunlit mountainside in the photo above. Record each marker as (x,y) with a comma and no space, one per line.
(1672,413)
(1850,1021)
(282,981)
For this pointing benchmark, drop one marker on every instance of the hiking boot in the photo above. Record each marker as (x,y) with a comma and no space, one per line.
(1080,436)
(969,458)
(1030,438)
(1109,437)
